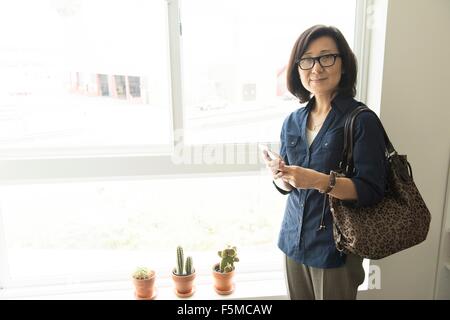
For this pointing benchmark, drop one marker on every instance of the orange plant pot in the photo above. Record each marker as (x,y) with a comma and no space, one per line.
(145,289)
(223,282)
(184,285)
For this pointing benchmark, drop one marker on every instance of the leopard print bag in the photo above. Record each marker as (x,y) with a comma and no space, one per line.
(400,221)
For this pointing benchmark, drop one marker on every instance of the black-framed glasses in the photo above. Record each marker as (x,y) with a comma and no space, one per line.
(327,60)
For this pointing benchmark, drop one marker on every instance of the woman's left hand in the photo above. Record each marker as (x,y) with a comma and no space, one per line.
(298,177)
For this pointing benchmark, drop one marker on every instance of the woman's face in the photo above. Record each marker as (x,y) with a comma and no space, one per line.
(321,80)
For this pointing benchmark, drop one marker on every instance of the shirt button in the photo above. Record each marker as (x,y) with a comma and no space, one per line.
(326,143)
(301,204)
(292,142)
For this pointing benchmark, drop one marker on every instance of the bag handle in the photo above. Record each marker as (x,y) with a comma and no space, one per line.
(346,166)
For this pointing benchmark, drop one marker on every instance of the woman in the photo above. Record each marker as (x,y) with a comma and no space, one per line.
(322,72)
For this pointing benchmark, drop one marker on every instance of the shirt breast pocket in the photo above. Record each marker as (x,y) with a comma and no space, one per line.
(333,145)
(295,149)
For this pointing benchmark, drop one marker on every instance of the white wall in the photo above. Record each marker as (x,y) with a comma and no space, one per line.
(442,288)
(415,110)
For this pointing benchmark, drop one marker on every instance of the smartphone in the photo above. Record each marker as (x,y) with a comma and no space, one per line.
(271,154)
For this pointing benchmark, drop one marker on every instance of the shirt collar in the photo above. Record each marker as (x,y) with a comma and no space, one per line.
(342,103)
(339,103)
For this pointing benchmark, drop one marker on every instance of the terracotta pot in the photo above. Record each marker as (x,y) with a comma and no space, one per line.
(145,289)
(184,285)
(223,282)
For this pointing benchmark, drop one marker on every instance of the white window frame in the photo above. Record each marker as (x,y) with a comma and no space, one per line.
(137,163)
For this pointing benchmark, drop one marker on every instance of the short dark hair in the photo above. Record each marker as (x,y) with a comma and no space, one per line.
(347,84)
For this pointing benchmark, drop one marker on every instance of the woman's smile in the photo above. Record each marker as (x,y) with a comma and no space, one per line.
(317,80)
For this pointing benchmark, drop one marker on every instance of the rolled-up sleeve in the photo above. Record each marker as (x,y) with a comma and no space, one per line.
(283,152)
(369,160)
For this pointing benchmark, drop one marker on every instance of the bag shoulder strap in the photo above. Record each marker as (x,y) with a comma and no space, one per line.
(346,165)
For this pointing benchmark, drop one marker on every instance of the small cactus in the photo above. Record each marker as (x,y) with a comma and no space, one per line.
(189,268)
(228,268)
(142,273)
(229,257)
(180,261)
(183,269)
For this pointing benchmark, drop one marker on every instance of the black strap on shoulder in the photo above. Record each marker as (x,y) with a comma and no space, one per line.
(346,165)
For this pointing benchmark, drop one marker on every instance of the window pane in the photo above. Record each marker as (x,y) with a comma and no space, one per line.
(74,229)
(234,63)
(84,74)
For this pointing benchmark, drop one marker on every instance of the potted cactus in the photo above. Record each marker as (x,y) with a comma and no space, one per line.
(183,275)
(144,283)
(223,272)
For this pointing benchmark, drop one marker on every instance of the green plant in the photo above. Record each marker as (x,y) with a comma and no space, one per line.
(180,261)
(142,273)
(183,269)
(229,257)
(189,266)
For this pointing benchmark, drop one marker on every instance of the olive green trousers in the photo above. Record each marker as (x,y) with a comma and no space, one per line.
(308,283)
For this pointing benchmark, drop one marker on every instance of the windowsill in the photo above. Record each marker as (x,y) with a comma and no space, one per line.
(268,286)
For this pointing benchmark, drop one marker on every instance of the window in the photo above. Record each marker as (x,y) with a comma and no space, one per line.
(121,86)
(135,86)
(64,58)
(104,85)
(79,229)
(130,127)
(234,69)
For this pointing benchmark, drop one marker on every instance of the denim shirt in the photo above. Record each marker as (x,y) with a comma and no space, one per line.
(299,237)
